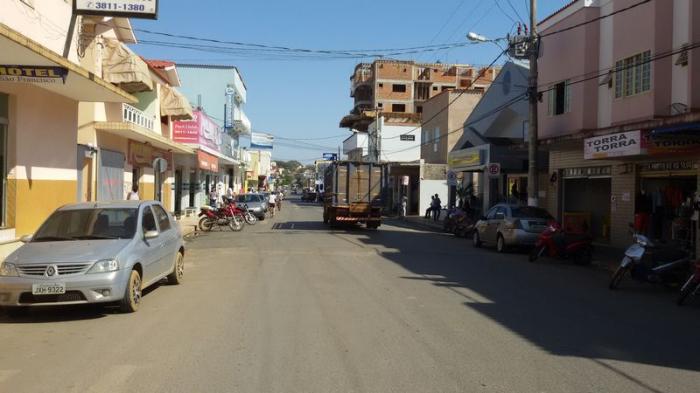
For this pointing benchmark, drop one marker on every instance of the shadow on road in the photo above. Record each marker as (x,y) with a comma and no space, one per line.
(566,310)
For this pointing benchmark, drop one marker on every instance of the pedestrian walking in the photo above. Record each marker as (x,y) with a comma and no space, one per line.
(437,208)
(272,201)
(133,195)
(404,206)
(213,197)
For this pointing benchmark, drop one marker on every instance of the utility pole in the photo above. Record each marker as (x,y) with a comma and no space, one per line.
(533,48)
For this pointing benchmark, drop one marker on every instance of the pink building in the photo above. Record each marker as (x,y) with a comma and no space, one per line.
(620,115)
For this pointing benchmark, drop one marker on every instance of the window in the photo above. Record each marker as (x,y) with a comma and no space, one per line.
(407,137)
(447,87)
(491,214)
(559,99)
(436,139)
(87,224)
(398,107)
(381,85)
(633,75)
(163,219)
(419,109)
(435,88)
(148,221)
(500,213)
(380,104)
(400,88)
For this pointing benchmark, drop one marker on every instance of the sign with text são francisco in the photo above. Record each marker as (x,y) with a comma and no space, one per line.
(146,9)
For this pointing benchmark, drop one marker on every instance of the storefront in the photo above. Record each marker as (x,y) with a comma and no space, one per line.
(585,202)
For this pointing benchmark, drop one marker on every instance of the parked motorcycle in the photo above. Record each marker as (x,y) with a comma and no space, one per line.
(212,217)
(648,262)
(691,287)
(556,243)
(458,222)
(243,213)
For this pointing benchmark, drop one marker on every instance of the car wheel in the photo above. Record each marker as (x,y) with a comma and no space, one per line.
(476,241)
(500,244)
(132,294)
(178,273)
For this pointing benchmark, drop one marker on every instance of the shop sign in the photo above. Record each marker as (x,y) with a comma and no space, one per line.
(668,166)
(200,130)
(667,145)
(33,74)
(207,162)
(469,159)
(261,140)
(146,9)
(615,145)
(141,154)
(587,172)
(494,169)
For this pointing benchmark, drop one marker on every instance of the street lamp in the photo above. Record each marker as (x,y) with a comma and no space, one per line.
(474,37)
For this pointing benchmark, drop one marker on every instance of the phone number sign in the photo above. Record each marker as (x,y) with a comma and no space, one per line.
(146,9)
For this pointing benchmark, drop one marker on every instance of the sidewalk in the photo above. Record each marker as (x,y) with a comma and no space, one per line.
(604,256)
(188,224)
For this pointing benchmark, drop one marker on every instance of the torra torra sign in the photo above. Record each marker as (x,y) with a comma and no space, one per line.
(33,74)
(615,145)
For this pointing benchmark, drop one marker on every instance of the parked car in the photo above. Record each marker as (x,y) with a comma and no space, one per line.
(257,204)
(94,253)
(508,225)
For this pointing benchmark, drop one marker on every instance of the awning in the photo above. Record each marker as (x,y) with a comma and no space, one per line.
(123,67)
(226,160)
(680,130)
(79,84)
(174,104)
(141,134)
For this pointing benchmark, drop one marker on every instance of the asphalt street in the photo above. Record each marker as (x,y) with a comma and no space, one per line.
(290,305)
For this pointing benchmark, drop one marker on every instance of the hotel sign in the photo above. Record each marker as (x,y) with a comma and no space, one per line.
(146,9)
(33,74)
(615,145)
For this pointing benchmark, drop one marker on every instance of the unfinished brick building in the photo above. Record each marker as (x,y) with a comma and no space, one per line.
(401,87)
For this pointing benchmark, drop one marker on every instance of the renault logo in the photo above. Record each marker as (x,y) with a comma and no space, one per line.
(51,271)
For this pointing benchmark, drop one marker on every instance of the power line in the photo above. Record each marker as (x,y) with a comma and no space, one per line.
(509,103)
(311,139)
(452,15)
(504,12)
(515,10)
(618,69)
(596,19)
(423,123)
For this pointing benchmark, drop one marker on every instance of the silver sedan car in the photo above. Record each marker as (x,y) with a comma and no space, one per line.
(94,253)
(509,225)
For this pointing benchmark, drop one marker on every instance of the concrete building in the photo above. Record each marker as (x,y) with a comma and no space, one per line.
(39,107)
(623,143)
(402,87)
(444,116)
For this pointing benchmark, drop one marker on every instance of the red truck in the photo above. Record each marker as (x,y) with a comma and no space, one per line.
(353,193)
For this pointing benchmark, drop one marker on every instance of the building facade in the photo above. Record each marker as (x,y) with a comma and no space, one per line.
(620,119)
(394,86)
(42,82)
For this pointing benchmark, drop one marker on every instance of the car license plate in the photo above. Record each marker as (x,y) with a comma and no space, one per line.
(55,288)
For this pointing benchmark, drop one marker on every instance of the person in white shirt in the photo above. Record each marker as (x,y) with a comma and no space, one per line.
(134,194)
(272,200)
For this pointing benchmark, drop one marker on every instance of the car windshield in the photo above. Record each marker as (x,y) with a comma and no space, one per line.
(248,198)
(530,212)
(84,224)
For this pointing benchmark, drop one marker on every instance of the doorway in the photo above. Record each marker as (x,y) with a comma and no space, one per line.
(86,180)
(178,191)
(193,187)
(586,206)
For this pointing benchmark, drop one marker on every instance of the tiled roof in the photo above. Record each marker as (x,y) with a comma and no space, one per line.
(159,63)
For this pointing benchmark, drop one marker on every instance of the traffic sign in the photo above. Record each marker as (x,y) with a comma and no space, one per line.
(451,178)
(494,169)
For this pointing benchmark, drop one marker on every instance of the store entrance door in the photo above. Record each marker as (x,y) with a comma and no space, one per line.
(666,200)
(586,206)
(178,191)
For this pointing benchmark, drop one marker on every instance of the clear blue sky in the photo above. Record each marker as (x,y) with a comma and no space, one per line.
(301,99)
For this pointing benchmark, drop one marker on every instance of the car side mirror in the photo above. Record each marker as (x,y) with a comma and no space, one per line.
(150,235)
(26,238)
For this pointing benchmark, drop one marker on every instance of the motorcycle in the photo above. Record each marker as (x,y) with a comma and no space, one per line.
(647,262)
(458,222)
(243,213)
(691,287)
(556,243)
(212,217)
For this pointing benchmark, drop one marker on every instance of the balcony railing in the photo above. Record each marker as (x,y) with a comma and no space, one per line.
(136,116)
